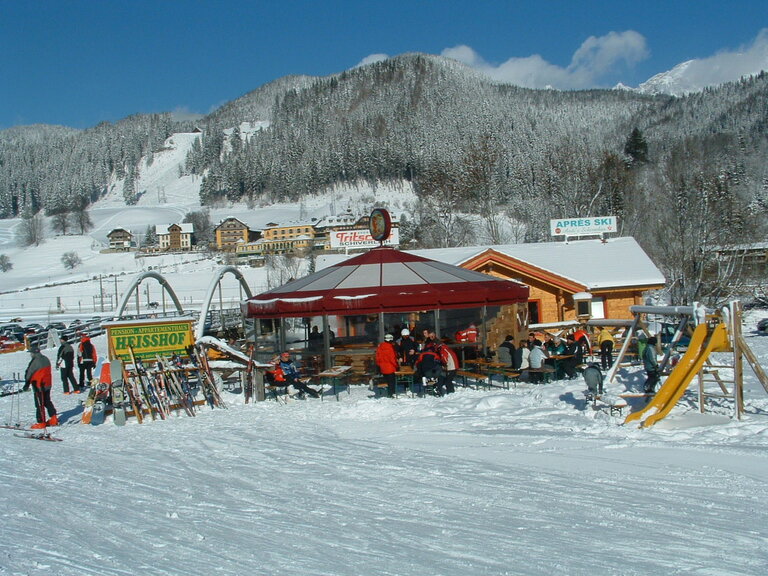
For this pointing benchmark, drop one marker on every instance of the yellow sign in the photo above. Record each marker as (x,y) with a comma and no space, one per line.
(149,339)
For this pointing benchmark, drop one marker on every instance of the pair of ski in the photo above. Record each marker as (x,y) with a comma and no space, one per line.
(36,434)
(207,382)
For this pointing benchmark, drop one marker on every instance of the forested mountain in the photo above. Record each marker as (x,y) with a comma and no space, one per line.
(678,172)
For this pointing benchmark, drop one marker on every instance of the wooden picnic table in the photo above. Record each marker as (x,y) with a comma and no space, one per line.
(405,375)
(335,376)
(557,362)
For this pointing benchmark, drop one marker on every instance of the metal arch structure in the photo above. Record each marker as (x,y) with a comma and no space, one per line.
(134,286)
(216,283)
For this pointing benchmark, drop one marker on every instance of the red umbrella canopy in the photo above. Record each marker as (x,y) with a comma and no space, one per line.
(384,280)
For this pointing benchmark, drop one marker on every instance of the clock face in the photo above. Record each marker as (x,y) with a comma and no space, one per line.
(380,224)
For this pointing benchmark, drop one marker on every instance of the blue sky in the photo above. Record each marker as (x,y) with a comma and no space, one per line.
(80,62)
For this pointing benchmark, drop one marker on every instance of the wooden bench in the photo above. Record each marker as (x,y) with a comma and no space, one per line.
(276,390)
(480,379)
(545,372)
(507,375)
(613,404)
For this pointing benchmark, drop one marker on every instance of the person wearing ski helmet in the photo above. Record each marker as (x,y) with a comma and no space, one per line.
(407,348)
(39,377)
(86,360)
(386,360)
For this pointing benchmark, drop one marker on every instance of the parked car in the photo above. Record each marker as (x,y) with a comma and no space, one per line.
(13,331)
(34,329)
(58,326)
(762,326)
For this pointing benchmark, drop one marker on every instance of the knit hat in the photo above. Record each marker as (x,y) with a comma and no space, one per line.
(389,337)
(405,332)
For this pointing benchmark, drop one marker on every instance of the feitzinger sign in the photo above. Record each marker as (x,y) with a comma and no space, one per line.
(582,226)
(361,239)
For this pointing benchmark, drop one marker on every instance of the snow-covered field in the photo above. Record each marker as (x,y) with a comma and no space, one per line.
(525,481)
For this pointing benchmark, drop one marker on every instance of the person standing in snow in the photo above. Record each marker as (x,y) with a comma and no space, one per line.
(65,362)
(651,365)
(39,377)
(86,360)
(386,360)
(606,342)
(450,364)
(407,348)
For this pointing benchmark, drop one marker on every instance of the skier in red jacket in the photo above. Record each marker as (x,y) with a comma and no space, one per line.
(39,377)
(386,360)
(450,364)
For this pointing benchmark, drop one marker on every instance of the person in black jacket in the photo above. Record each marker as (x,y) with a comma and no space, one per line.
(86,360)
(575,350)
(507,355)
(429,366)
(65,362)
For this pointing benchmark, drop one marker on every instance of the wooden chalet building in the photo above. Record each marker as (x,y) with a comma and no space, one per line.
(120,239)
(567,280)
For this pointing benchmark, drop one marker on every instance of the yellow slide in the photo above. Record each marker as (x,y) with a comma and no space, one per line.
(701,346)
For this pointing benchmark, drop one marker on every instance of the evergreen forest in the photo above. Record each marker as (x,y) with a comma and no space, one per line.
(686,176)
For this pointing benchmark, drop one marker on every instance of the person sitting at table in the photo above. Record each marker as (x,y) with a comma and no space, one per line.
(575,354)
(554,346)
(429,366)
(407,348)
(536,359)
(386,360)
(286,374)
(520,357)
(507,350)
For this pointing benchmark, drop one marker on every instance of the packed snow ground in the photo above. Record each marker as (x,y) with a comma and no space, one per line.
(525,481)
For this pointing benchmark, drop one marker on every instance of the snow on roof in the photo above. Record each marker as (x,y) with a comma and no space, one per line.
(616,263)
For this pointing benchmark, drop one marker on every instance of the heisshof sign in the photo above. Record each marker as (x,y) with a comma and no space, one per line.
(582,226)
(149,338)
(361,239)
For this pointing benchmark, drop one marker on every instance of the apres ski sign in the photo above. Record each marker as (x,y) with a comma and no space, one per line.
(582,226)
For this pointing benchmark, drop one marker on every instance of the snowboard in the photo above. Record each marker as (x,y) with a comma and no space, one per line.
(118,392)
(97,395)
(100,404)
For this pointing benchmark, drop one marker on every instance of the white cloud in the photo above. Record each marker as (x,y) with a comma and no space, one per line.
(371,59)
(726,66)
(595,58)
